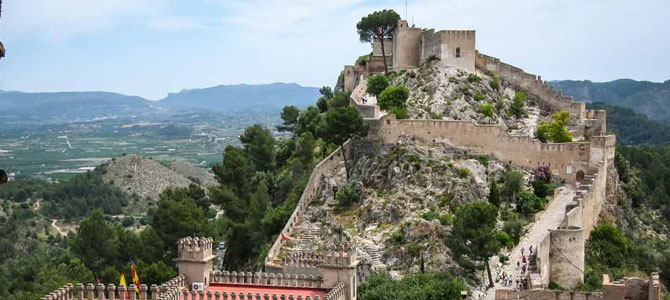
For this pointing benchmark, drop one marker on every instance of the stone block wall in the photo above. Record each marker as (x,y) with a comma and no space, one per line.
(530,82)
(406,47)
(169,290)
(566,253)
(522,151)
(457,49)
(539,294)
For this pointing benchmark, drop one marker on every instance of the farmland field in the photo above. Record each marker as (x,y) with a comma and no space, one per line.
(61,150)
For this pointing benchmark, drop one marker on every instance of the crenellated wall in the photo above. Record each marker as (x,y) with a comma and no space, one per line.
(523,151)
(166,291)
(330,163)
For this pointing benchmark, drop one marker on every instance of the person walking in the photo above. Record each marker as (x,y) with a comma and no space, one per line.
(522,250)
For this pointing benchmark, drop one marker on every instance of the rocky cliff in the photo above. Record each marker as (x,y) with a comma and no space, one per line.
(408,194)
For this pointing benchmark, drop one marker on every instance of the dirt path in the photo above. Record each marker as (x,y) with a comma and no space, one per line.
(551,218)
(60,231)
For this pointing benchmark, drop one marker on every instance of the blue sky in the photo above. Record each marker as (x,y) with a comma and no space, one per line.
(152,47)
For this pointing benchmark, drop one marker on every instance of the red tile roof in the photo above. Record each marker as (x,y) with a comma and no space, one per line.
(267,289)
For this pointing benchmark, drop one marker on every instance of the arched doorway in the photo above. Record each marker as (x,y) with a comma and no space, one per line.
(580,175)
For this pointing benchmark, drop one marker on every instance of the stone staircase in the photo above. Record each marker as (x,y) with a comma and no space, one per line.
(309,237)
(374,252)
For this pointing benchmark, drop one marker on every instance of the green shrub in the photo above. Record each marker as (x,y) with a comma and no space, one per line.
(557,130)
(528,203)
(486,109)
(479,96)
(128,221)
(393,96)
(398,237)
(377,84)
(445,199)
(503,258)
(518,104)
(473,78)
(464,173)
(446,219)
(414,249)
(540,188)
(346,196)
(363,60)
(504,239)
(435,116)
(513,228)
(432,58)
(400,113)
(431,215)
(495,83)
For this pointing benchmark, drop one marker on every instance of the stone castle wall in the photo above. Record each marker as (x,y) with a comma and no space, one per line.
(561,253)
(330,163)
(406,47)
(522,151)
(454,48)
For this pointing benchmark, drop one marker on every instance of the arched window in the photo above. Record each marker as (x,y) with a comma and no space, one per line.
(458,51)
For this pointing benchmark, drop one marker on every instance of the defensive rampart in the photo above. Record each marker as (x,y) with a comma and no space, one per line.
(522,151)
(330,163)
(592,121)
(560,255)
(170,290)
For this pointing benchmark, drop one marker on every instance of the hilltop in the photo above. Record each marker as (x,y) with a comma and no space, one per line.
(142,176)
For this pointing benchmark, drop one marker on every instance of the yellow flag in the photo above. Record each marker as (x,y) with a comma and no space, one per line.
(122,282)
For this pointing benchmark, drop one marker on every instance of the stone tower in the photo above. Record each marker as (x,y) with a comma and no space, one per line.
(194,259)
(339,266)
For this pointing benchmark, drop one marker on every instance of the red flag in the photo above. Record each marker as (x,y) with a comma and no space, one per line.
(285,237)
(136,280)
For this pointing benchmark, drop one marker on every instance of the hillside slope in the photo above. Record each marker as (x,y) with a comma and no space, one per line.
(137,175)
(408,194)
(649,98)
(439,92)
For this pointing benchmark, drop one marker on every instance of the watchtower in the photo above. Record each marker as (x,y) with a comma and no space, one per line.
(339,266)
(194,259)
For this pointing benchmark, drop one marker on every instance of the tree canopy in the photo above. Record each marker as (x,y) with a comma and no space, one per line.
(378,25)
(473,236)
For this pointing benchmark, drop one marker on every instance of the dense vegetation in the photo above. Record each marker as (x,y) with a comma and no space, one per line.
(417,286)
(637,243)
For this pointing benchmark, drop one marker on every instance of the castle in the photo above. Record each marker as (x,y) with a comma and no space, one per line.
(335,273)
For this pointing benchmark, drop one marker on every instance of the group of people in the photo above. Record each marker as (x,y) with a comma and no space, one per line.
(519,281)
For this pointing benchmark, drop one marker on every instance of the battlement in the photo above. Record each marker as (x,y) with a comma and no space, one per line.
(267,279)
(194,248)
(339,257)
(166,291)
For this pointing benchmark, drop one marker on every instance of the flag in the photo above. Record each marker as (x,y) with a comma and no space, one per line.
(123,283)
(136,280)
(285,237)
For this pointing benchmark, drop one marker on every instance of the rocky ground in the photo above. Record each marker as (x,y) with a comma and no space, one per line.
(141,176)
(196,174)
(447,93)
(408,196)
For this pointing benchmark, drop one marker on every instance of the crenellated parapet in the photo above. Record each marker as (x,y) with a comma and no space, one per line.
(266,279)
(194,248)
(166,291)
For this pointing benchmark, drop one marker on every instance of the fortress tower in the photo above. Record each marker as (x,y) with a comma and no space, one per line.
(194,259)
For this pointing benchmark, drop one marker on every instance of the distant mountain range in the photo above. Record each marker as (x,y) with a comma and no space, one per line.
(82,106)
(649,98)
